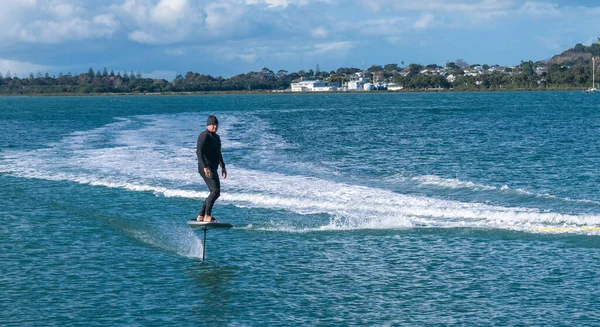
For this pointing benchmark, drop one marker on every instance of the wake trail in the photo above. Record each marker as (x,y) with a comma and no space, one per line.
(157,154)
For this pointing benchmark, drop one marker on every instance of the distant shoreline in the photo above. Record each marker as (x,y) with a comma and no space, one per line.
(281,92)
(574,69)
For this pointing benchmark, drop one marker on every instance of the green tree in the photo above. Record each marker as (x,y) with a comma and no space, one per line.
(527,68)
(374,69)
(414,69)
(281,74)
(391,68)
(454,69)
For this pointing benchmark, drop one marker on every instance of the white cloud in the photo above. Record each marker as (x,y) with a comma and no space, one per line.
(332,46)
(159,22)
(277,3)
(373,6)
(254,51)
(106,20)
(464,11)
(248,57)
(170,12)
(52,21)
(424,22)
(164,22)
(319,32)
(173,21)
(454,6)
(532,8)
(22,68)
(13,15)
(270,3)
(145,37)
(226,18)
(60,31)
(62,10)
(134,9)
(373,27)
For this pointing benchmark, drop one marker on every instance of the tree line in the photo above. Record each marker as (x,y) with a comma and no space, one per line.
(527,75)
(523,76)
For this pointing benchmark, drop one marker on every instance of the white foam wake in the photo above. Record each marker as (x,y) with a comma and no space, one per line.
(156,154)
(455,183)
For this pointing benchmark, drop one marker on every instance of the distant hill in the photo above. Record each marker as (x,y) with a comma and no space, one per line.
(579,55)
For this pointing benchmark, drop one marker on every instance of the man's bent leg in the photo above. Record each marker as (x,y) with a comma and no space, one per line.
(214,186)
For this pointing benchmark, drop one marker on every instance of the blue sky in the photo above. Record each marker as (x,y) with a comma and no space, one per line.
(162,38)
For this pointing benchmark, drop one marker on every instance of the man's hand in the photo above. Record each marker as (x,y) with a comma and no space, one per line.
(207,172)
(224,172)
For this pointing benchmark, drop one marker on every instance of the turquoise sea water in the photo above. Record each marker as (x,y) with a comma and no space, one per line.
(474,209)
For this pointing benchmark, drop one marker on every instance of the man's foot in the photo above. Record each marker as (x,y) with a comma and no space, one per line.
(200,218)
(210,219)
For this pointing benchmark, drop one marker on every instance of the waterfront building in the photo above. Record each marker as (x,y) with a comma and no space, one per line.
(394,87)
(357,84)
(314,86)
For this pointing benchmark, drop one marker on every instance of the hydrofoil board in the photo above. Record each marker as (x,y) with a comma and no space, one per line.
(206,225)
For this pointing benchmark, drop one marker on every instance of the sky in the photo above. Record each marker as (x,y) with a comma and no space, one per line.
(163,38)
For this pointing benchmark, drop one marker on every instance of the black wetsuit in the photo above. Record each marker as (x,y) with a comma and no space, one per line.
(208,150)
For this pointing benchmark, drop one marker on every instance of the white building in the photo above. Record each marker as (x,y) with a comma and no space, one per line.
(541,69)
(357,84)
(369,87)
(472,73)
(313,86)
(394,87)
